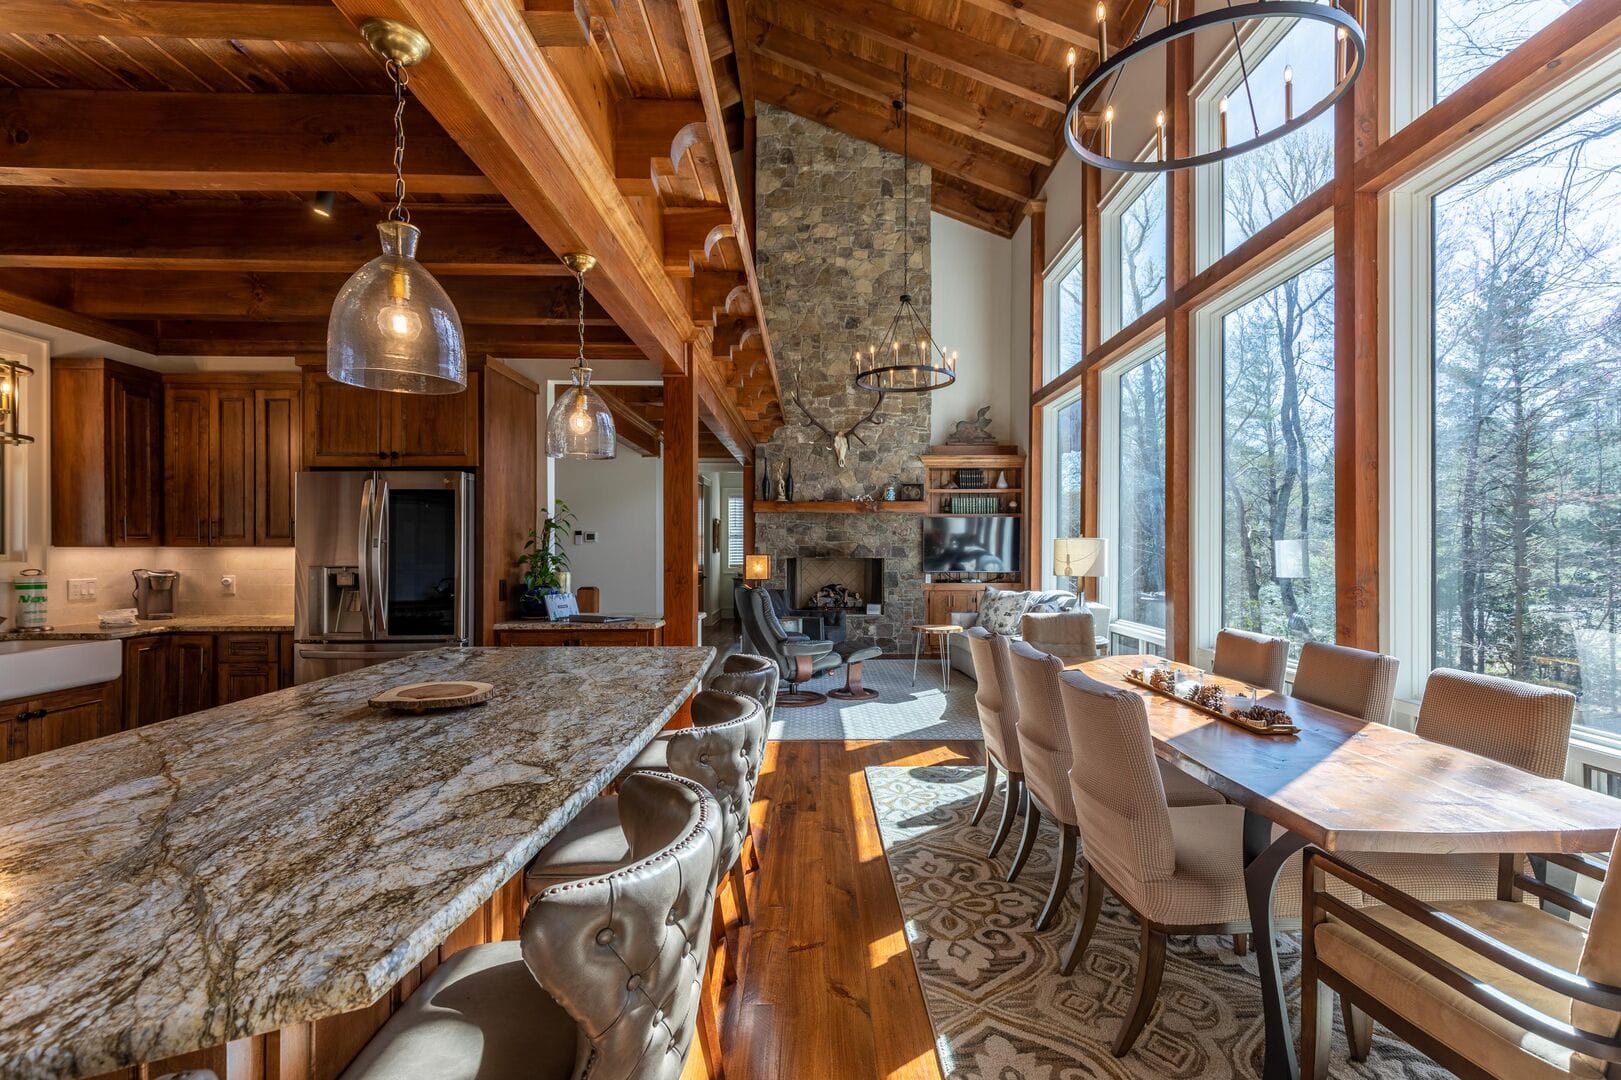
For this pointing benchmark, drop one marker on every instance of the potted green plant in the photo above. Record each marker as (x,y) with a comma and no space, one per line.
(543,562)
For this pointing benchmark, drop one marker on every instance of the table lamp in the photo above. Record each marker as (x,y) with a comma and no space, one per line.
(1080,557)
(756,568)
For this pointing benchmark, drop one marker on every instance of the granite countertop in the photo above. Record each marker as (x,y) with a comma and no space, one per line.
(634,622)
(180,624)
(293,855)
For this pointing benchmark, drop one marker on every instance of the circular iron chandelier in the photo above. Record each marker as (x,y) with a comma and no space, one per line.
(908,360)
(1351,48)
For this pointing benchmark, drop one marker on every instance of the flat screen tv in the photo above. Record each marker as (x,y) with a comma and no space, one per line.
(983,544)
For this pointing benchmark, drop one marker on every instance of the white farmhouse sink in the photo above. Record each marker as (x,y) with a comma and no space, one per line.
(38,667)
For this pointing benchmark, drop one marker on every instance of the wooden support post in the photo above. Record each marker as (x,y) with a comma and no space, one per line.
(681,506)
(1036,212)
(1179,363)
(1357,465)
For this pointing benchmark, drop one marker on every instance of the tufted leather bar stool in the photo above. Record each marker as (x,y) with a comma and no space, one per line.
(723,753)
(606,979)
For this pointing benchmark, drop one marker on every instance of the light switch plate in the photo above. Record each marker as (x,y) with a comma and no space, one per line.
(81,588)
(228,583)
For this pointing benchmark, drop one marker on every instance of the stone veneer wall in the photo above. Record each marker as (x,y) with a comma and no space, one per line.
(830,254)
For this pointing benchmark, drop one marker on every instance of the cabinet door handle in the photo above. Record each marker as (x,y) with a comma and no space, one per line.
(382,455)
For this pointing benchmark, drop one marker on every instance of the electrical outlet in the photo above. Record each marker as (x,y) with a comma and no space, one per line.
(81,588)
(228,583)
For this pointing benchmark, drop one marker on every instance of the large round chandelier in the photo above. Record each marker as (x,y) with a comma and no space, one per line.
(1096,145)
(907,360)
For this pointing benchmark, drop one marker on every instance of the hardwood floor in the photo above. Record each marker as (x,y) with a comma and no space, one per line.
(826,986)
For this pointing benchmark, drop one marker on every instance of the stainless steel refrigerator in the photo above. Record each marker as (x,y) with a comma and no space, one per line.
(384,567)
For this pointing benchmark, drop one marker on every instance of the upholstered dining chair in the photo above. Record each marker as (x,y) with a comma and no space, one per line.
(999,722)
(1256,659)
(1487,988)
(1045,749)
(1179,869)
(1517,723)
(606,977)
(1072,636)
(1351,681)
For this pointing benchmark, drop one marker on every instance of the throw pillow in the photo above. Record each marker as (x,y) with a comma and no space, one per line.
(1002,612)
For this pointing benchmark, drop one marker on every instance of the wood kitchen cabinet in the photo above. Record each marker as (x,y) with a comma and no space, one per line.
(52,721)
(191,673)
(348,427)
(167,675)
(106,454)
(248,665)
(230,459)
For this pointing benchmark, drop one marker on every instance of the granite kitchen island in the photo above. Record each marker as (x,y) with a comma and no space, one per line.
(293,857)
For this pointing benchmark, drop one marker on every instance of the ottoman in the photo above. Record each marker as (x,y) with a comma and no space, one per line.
(853,653)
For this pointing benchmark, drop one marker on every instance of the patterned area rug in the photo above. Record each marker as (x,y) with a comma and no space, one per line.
(900,711)
(1000,1009)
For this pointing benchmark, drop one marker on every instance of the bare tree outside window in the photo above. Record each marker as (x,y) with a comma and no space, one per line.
(1071,318)
(1278,460)
(1472,35)
(1070,480)
(1527,416)
(1258,186)
(1140,595)
(1142,252)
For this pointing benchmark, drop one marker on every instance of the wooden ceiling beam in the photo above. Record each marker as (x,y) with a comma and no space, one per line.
(223,142)
(950,111)
(43,298)
(945,47)
(1061,19)
(977,208)
(205,295)
(645,130)
(181,337)
(108,233)
(841,111)
(194,19)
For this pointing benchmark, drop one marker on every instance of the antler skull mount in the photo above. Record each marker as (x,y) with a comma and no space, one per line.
(841,439)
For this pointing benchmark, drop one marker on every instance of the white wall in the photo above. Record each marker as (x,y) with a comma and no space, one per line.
(972,313)
(622,500)
(1019,338)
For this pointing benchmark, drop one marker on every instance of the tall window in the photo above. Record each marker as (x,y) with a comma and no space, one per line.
(734,531)
(1527,421)
(1142,252)
(1472,35)
(1067,460)
(1140,525)
(1258,186)
(1069,327)
(1277,460)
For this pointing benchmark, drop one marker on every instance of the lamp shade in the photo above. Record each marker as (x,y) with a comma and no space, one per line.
(756,567)
(1080,556)
(393,327)
(580,424)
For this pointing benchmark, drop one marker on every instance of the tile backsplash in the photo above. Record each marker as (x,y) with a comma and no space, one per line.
(264,580)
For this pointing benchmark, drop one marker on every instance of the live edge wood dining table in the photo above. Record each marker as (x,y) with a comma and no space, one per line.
(1346,785)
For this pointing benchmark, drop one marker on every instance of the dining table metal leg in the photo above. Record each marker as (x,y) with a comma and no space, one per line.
(945,664)
(1264,860)
(917,651)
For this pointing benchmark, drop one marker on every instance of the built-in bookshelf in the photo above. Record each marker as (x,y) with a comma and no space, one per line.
(971,481)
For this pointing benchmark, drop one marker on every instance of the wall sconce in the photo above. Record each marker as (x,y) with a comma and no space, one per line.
(12,373)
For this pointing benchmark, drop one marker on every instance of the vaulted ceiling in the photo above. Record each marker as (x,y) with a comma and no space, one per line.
(988,82)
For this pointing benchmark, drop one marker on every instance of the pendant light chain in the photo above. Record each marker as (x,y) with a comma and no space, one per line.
(906,169)
(579,275)
(1244,70)
(397,72)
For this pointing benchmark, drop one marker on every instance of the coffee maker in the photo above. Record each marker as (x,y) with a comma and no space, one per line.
(155,592)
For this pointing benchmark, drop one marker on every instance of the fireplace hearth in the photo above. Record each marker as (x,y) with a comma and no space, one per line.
(834,582)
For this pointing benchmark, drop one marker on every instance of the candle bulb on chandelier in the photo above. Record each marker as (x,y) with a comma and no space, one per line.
(1222,110)
(1288,94)
(1344,53)
(1069,62)
(1103,32)
(1108,131)
(1159,135)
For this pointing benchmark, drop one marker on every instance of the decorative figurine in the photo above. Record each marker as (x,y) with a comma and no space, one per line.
(779,481)
(977,430)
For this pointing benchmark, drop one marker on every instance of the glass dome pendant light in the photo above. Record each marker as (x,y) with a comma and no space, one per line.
(579,424)
(392,325)
(908,360)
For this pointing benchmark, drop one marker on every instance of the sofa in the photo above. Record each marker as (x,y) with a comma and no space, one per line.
(1037,601)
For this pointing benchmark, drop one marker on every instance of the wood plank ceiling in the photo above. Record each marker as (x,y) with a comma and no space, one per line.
(158,161)
(988,82)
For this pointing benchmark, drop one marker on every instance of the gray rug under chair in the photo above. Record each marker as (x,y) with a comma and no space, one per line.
(999,1007)
(900,711)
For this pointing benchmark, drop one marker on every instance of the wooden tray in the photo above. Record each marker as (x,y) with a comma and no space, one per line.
(1237,719)
(429,696)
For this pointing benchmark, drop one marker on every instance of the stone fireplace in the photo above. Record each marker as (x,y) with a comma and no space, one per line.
(829,256)
(836,582)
